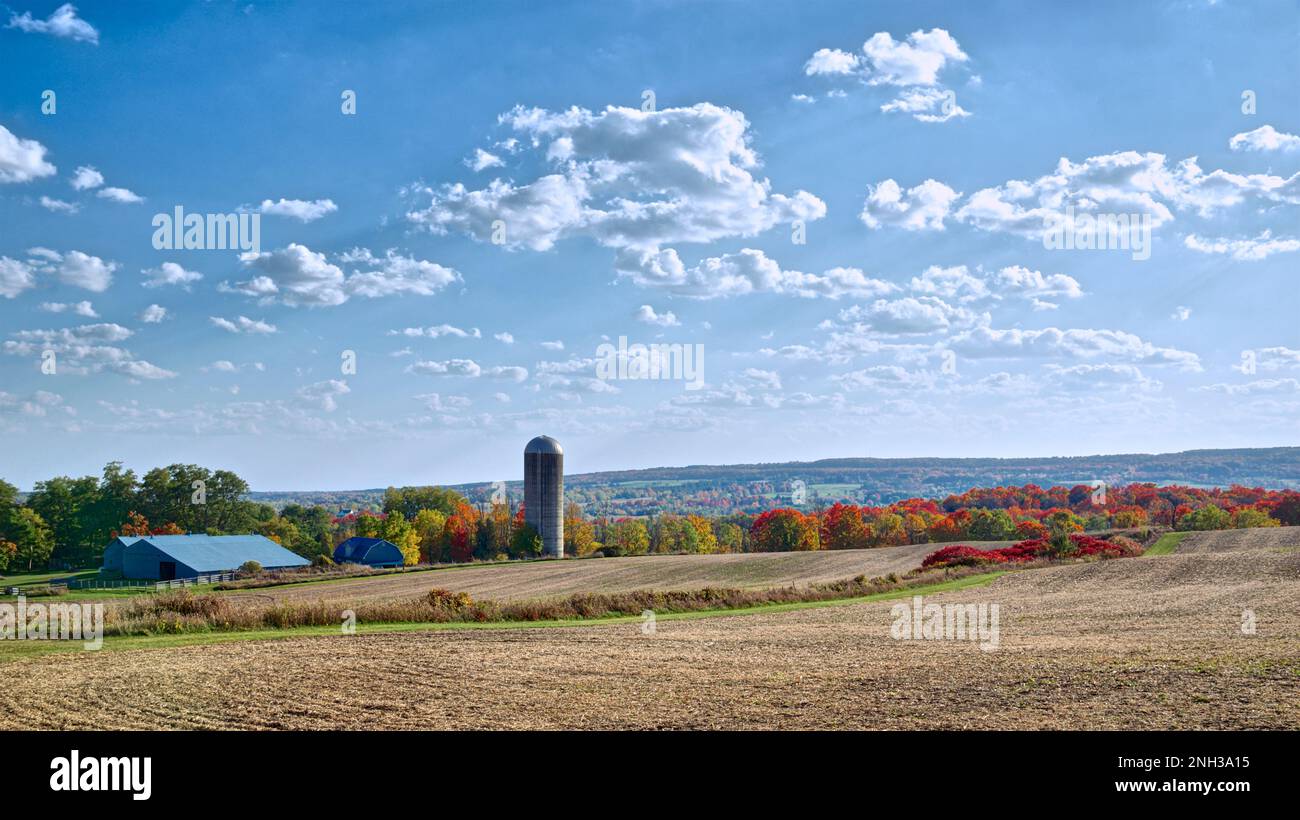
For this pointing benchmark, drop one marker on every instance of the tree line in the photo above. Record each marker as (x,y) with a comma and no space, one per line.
(66,522)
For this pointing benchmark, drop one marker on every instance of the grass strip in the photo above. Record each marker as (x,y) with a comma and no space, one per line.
(1167,544)
(15,650)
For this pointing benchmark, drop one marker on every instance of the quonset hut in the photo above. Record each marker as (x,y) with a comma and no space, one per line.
(544,493)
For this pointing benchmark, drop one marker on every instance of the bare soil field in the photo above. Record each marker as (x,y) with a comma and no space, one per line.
(1133,643)
(543,579)
(1270,538)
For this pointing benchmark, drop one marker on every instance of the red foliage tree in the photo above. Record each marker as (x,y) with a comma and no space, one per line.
(137,525)
(842,528)
(784,530)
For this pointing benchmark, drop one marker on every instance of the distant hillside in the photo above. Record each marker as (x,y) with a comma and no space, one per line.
(752,487)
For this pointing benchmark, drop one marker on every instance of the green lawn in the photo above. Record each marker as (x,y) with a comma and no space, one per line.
(26,578)
(14,650)
(122,592)
(1167,544)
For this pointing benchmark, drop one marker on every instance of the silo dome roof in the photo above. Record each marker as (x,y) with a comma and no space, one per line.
(544,444)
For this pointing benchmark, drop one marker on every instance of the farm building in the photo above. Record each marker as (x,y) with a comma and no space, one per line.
(165,557)
(114,551)
(373,552)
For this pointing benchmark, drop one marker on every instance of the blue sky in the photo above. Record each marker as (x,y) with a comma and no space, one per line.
(918,147)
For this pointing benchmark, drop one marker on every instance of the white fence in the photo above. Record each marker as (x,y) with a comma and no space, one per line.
(95,583)
(199,579)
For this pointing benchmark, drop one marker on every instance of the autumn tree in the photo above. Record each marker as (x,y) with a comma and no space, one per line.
(730,537)
(1287,508)
(1061,524)
(626,536)
(890,530)
(1246,517)
(399,532)
(459,533)
(428,526)
(674,534)
(137,525)
(954,526)
(499,525)
(1030,528)
(842,528)
(706,543)
(579,533)
(1209,517)
(286,533)
(1127,517)
(784,530)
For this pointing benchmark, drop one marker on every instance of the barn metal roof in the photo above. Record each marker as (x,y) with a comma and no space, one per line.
(357,549)
(211,553)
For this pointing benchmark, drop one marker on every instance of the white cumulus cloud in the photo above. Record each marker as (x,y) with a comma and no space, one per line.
(22,160)
(301,210)
(1264,138)
(169,273)
(64,23)
(243,324)
(298,276)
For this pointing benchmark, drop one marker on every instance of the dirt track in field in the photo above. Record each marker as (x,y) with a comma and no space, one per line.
(1135,643)
(661,572)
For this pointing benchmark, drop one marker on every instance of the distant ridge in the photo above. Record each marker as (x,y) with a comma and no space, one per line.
(881,480)
(1265,465)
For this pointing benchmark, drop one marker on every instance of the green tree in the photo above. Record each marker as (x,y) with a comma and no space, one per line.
(316,524)
(526,542)
(428,526)
(730,537)
(1061,524)
(1209,517)
(398,531)
(32,538)
(627,536)
(8,508)
(66,506)
(408,501)
(286,533)
(1246,517)
(200,500)
(674,533)
(992,525)
(114,501)
(370,526)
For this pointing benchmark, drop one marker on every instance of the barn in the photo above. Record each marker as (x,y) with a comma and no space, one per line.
(114,551)
(373,552)
(166,557)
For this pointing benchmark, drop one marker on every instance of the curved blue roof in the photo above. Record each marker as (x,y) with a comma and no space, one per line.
(358,550)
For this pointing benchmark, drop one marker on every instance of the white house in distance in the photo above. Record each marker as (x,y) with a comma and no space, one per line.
(167,557)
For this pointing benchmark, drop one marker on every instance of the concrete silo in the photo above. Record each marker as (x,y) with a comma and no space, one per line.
(544,493)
